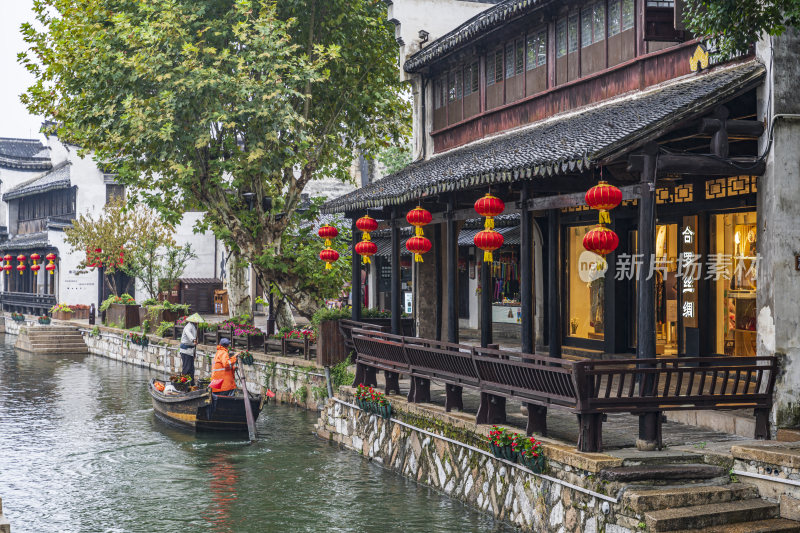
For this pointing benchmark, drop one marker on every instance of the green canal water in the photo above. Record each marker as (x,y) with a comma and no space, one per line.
(80,451)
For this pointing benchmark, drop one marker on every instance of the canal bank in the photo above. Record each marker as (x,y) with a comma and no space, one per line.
(84,453)
(734,485)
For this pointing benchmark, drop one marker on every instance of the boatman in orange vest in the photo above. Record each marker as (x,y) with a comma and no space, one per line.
(222,376)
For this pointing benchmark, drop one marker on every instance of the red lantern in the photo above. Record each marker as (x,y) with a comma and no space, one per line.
(418,245)
(35,269)
(488,240)
(7,269)
(603,197)
(330,256)
(366,249)
(35,257)
(489,206)
(327,232)
(601,240)
(20,268)
(367,224)
(50,268)
(21,265)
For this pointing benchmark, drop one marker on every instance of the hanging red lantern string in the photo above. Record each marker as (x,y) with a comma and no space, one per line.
(418,244)
(7,269)
(21,265)
(603,197)
(366,248)
(51,266)
(35,267)
(330,256)
(489,240)
(328,232)
(7,258)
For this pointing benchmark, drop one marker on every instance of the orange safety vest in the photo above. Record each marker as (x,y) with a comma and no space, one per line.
(223,369)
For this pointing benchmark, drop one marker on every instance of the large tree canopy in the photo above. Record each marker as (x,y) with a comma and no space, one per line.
(219,104)
(739,23)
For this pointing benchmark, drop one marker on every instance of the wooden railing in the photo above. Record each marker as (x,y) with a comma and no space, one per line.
(590,389)
(25,302)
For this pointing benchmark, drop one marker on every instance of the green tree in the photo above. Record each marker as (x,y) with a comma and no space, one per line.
(219,104)
(736,24)
(396,157)
(116,240)
(160,264)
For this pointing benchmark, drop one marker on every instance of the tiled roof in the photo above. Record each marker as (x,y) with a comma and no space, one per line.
(26,242)
(465,34)
(24,154)
(58,178)
(570,142)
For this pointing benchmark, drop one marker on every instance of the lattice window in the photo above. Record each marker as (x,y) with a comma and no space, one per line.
(678,194)
(735,186)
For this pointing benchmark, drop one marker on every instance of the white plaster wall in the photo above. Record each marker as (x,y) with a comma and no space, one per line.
(91,195)
(203,245)
(9,179)
(72,288)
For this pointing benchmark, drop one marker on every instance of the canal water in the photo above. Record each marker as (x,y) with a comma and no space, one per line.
(80,451)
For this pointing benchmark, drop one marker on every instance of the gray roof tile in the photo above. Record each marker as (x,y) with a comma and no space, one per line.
(58,178)
(24,154)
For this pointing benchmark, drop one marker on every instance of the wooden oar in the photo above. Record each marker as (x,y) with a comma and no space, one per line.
(248,409)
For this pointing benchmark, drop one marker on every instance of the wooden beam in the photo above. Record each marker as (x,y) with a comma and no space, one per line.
(562,201)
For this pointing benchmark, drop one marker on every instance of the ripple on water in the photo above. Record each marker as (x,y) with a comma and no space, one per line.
(84,453)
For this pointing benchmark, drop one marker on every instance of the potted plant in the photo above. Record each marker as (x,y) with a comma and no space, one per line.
(61,312)
(140,339)
(372,401)
(245,357)
(331,348)
(17,317)
(531,454)
(44,320)
(500,442)
(121,311)
(298,339)
(181,382)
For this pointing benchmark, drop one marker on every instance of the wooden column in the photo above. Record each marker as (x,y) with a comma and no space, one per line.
(553,283)
(649,423)
(453,398)
(364,374)
(537,415)
(486,305)
(393,378)
(439,268)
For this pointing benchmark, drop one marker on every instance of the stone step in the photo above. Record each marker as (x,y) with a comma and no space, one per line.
(643,500)
(773,525)
(55,338)
(663,473)
(701,517)
(56,347)
(634,457)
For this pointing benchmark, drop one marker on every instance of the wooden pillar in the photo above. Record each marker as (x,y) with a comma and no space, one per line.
(355,280)
(537,415)
(439,270)
(453,393)
(553,282)
(649,423)
(364,374)
(393,378)
(526,272)
(486,305)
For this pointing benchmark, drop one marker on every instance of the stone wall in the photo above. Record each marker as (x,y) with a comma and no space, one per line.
(293,380)
(456,466)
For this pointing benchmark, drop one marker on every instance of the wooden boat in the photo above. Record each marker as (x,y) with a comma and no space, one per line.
(201,410)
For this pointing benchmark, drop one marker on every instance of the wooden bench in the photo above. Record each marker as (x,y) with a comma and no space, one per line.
(591,389)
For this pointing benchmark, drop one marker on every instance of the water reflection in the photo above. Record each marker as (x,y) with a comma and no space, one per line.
(83,452)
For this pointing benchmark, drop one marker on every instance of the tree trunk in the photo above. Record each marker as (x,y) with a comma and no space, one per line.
(283,314)
(238,287)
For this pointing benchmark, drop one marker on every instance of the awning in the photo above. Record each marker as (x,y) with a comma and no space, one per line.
(30,241)
(571,142)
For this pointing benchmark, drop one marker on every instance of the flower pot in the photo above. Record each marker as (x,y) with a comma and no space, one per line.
(124,316)
(509,454)
(44,322)
(534,464)
(385,411)
(63,315)
(497,451)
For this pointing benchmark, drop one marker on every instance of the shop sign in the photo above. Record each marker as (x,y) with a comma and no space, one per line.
(689,270)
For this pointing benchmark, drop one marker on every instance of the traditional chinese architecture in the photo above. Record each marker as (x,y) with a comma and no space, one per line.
(535,102)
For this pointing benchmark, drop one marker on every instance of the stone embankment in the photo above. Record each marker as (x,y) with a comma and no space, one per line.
(5,527)
(618,492)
